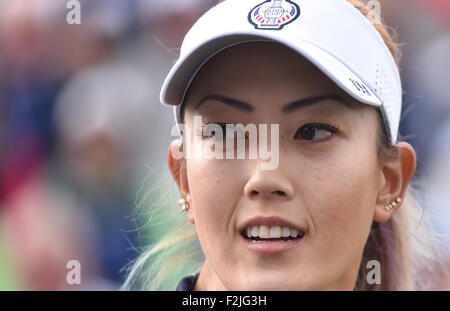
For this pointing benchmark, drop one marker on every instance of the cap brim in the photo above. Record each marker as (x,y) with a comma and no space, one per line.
(185,69)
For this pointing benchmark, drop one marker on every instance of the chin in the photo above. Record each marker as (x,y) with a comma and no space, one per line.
(275,286)
(274,282)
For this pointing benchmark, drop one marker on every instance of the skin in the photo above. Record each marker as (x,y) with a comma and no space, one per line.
(333,186)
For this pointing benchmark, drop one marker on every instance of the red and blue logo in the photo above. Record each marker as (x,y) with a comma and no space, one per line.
(273,14)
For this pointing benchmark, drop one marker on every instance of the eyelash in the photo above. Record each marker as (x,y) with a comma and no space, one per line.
(331,128)
(221,124)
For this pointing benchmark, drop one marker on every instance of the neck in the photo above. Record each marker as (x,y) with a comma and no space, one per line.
(348,280)
(208,280)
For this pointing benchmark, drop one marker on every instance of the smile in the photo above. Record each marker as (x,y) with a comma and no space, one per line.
(270,235)
(275,233)
(271,245)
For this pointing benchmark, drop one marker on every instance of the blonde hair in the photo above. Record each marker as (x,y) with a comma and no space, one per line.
(404,246)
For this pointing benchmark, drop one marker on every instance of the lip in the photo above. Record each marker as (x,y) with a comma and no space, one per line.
(271,247)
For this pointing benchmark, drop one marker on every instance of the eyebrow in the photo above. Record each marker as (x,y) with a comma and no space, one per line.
(301,103)
(288,108)
(228,101)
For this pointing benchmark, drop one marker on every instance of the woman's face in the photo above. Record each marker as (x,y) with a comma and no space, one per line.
(325,185)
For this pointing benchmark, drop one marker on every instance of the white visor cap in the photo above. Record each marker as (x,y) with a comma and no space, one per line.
(331,34)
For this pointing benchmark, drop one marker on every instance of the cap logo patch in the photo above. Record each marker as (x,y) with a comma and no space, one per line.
(273,14)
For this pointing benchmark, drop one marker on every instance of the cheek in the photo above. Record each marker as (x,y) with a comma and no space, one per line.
(343,208)
(214,195)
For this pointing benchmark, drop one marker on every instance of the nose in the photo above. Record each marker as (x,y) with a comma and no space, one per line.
(269,184)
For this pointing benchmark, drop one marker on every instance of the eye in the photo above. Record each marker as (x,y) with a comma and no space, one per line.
(227,132)
(316,132)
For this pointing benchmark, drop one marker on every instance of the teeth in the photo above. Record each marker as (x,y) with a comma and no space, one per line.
(249,232)
(255,231)
(275,232)
(263,232)
(285,232)
(294,233)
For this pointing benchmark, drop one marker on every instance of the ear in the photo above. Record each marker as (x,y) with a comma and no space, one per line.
(395,177)
(177,166)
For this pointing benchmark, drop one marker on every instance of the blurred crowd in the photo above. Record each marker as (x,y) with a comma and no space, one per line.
(81,126)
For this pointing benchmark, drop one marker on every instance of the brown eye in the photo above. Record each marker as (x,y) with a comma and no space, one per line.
(307,133)
(217,131)
(315,132)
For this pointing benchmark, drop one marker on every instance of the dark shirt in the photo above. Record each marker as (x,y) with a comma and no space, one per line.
(188,283)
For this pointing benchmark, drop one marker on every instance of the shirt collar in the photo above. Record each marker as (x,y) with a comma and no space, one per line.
(188,283)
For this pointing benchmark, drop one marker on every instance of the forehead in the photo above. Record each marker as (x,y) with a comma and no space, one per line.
(254,69)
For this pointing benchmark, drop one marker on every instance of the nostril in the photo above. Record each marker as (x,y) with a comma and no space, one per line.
(281,193)
(255,193)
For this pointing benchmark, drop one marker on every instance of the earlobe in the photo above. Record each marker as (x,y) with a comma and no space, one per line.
(177,166)
(396,176)
(191,209)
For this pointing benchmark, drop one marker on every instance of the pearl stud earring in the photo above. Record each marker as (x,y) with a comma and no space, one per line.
(394,204)
(183,205)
